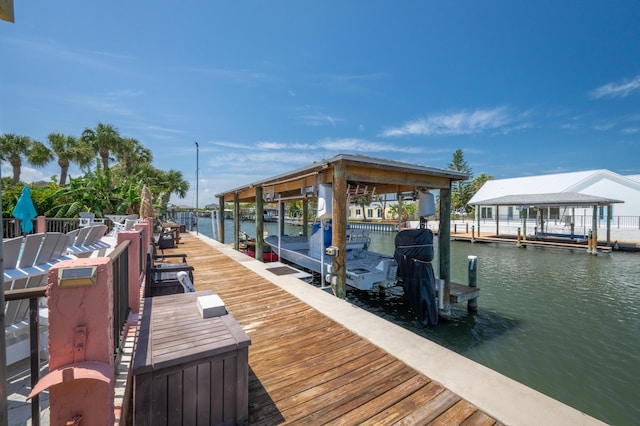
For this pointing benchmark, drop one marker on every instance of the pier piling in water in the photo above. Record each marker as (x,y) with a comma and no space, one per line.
(472,304)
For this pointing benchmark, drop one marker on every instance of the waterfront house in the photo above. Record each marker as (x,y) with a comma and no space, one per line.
(599,183)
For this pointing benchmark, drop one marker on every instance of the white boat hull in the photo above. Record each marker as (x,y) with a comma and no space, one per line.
(365,270)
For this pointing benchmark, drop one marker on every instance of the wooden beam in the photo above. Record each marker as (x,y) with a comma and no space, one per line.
(259,225)
(221,219)
(444,247)
(339,230)
(236,222)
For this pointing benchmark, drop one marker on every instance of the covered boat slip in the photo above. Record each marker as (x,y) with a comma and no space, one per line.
(347,176)
(317,360)
(541,203)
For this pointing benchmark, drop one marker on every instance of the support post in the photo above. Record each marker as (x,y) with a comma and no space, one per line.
(305,217)
(339,229)
(133,274)
(281,210)
(594,231)
(236,222)
(609,212)
(81,380)
(497,220)
(260,225)
(444,248)
(221,219)
(472,304)
(518,244)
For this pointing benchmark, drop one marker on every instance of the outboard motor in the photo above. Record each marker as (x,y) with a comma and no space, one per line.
(414,253)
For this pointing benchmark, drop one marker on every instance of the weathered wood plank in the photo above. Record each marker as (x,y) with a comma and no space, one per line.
(305,368)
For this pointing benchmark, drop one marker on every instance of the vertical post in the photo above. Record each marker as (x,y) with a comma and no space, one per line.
(34,333)
(609,211)
(518,239)
(472,304)
(305,217)
(339,229)
(236,221)
(197,179)
(497,220)
(221,218)
(260,225)
(4,408)
(133,273)
(281,209)
(594,231)
(444,247)
(81,316)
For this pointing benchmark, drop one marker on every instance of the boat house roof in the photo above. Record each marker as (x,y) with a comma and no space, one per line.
(555,199)
(362,173)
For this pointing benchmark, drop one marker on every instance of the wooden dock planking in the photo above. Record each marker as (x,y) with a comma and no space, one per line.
(306,368)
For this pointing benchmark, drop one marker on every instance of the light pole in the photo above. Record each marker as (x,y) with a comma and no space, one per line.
(197,178)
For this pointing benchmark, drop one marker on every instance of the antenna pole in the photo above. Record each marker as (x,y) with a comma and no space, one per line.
(197,179)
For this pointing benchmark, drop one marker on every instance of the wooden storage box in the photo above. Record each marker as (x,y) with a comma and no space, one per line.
(188,370)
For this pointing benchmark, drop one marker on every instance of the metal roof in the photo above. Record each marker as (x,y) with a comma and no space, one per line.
(549,200)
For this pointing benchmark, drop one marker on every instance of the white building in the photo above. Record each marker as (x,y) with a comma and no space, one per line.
(617,208)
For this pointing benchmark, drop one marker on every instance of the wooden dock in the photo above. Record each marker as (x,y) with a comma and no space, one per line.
(511,239)
(306,368)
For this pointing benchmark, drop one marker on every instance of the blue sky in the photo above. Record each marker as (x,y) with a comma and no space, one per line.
(264,87)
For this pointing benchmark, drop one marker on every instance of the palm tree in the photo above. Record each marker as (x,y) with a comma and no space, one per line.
(105,139)
(14,148)
(172,183)
(69,150)
(133,155)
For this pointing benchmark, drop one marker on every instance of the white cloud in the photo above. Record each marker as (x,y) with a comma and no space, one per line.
(362,145)
(460,123)
(619,89)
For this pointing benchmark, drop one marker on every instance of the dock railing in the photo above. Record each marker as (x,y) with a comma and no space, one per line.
(120,266)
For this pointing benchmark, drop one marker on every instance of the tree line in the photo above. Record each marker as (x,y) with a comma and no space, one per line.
(114,169)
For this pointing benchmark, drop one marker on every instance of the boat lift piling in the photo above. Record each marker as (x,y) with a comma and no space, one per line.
(472,304)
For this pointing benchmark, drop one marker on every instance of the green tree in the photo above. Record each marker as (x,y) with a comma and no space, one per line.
(460,190)
(132,156)
(69,150)
(104,139)
(16,148)
(171,182)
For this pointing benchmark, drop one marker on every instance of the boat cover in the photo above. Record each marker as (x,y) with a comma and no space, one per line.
(414,252)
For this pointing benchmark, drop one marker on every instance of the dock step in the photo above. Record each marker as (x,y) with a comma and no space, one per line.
(462,293)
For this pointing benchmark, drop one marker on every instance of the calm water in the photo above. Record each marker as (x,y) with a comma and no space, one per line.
(566,324)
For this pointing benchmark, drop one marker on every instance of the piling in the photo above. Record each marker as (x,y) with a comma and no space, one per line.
(472,304)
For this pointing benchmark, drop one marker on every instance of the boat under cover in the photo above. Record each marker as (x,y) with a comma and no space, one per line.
(366,270)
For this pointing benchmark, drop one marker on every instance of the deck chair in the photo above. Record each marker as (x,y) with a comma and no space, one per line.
(161,273)
(27,263)
(86,218)
(88,240)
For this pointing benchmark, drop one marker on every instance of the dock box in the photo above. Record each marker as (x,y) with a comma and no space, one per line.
(189,370)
